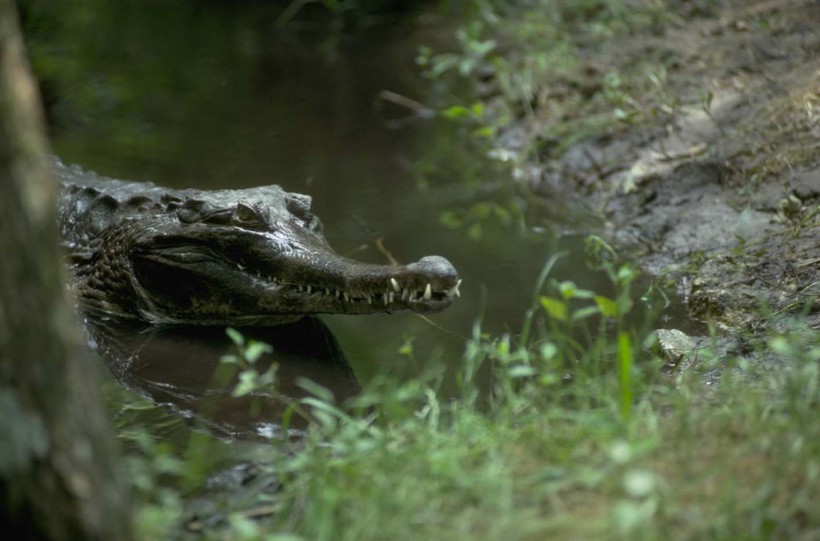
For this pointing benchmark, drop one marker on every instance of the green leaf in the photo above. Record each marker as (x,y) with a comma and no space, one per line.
(247,383)
(322,393)
(455,112)
(406,348)
(255,350)
(781,346)
(451,219)
(482,210)
(625,362)
(229,359)
(321,408)
(503,214)
(548,351)
(567,289)
(243,527)
(466,66)
(626,274)
(608,307)
(570,291)
(624,304)
(503,347)
(620,114)
(267,379)
(235,336)
(556,308)
(442,63)
(521,371)
(584,313)
(484,132)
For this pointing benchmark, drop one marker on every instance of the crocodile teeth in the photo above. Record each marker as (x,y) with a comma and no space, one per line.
(309,289)
(327,291)
(369,299)
(395,285)
(454,290)
(384,296)
(428,292)
(391,296)
(347,297)
(404,294)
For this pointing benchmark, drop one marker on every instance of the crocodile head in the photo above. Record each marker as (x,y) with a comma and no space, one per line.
(255,256)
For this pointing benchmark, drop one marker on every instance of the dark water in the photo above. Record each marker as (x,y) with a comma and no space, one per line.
(214,95)
(181,367)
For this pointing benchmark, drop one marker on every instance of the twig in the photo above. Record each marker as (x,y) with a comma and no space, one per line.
(380,245)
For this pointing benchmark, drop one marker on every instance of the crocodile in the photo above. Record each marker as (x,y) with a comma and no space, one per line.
(254,256)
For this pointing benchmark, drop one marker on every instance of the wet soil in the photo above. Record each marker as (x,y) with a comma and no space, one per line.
(719,188)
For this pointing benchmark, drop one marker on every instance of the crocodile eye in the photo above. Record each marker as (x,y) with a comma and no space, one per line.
(246,214)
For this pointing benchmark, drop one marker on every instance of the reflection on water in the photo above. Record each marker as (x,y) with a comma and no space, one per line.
(180,367)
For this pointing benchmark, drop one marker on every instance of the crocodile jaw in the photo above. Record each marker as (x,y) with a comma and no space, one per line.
(194,284)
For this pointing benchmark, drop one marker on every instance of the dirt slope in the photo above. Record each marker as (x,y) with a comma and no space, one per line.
(723,188)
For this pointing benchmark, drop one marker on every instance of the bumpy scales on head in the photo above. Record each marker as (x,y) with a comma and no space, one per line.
(254,256)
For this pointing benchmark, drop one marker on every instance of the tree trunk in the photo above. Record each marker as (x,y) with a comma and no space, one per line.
(58,474)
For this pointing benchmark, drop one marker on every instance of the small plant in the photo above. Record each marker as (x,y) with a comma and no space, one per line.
(474,116)
(251,379)
(625,106)
(155,471)
(473,55)
(792,211)
(667,103)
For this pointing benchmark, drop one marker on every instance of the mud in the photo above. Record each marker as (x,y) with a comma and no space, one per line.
(721,189)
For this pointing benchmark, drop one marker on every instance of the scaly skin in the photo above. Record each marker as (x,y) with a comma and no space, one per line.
(238,257)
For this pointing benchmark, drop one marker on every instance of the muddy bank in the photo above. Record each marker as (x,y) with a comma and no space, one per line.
(718,186)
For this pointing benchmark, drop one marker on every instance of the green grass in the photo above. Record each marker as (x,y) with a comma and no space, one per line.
(680,461)
(582,433)
(739,462)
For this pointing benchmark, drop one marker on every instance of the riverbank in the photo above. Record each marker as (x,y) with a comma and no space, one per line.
(692,132)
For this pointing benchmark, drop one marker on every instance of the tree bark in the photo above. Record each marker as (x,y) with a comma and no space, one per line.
(58,472)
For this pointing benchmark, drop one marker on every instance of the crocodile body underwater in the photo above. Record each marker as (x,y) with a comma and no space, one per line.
(237,257)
